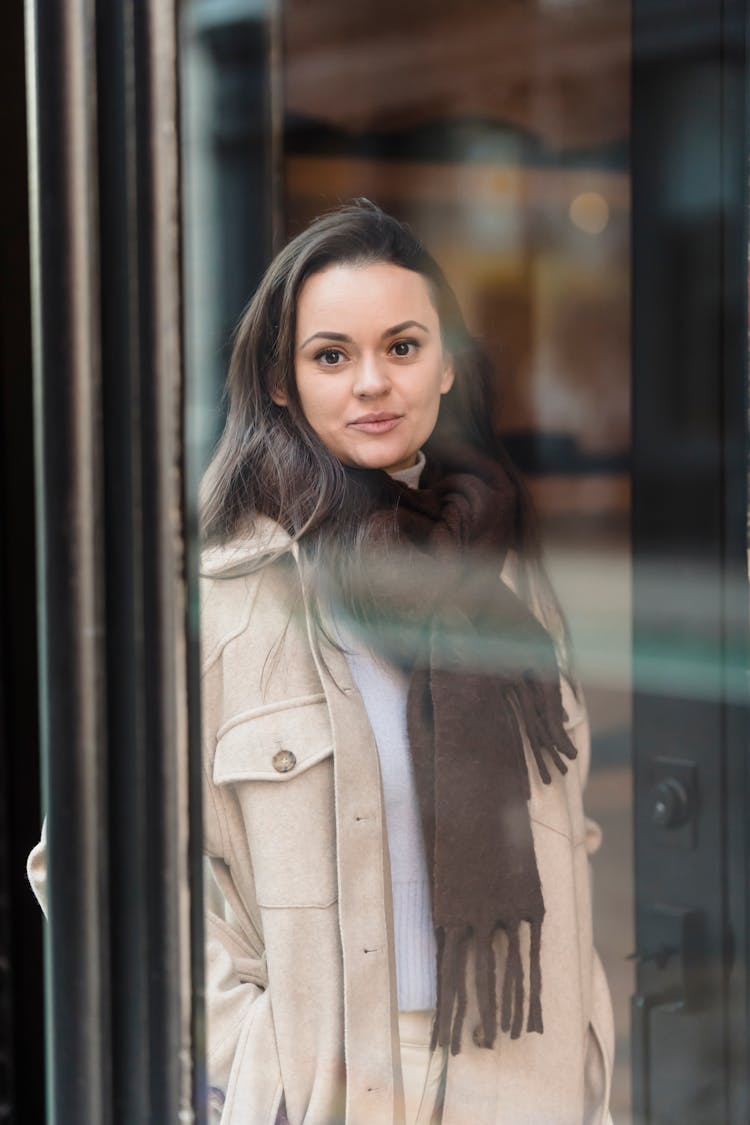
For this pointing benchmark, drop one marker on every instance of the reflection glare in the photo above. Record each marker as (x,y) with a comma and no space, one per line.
(589,211)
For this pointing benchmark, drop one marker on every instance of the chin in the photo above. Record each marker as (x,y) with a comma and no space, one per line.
(389,464)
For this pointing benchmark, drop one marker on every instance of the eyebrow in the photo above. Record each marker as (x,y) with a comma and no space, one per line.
(341,337)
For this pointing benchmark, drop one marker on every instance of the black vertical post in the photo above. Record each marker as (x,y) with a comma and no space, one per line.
(735,158)
(21,978)
(122,807)
(70,553)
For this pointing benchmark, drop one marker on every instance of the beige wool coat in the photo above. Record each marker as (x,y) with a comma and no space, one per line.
(301,996)
(300,971)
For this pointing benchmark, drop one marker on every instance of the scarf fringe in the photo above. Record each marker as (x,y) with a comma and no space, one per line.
(535,979)
(485,982)
(538,710)
(511,1013)
(453,947)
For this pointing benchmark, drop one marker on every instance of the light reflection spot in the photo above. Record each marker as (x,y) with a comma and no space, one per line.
(589,211)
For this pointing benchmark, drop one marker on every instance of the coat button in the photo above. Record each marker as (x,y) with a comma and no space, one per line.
(284,761)
(478,1035)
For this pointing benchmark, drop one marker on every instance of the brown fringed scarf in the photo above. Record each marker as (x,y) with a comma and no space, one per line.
(487,675)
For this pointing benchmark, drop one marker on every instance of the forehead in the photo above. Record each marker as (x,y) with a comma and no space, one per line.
(355,297)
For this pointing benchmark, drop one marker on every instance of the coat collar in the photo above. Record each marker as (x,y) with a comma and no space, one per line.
(263,537)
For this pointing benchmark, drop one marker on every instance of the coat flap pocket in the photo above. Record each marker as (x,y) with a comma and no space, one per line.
(273,743)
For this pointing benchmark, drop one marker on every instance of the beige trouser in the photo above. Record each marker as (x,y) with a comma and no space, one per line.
(423,1069)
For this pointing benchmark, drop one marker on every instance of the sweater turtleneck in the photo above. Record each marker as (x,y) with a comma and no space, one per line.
(411,475)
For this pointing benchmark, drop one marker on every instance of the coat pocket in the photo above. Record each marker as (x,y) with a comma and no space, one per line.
(276,764)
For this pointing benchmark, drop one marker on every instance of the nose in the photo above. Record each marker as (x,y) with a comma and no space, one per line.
(371,378)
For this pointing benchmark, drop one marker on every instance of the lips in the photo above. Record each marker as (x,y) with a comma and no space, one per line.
(376,423)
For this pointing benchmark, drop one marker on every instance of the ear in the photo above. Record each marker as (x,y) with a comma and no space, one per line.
(279,397)
(449,375)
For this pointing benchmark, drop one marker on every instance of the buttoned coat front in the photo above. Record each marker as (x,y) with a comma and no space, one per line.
(301,994)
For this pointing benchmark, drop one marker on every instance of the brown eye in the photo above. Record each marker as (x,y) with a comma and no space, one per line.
(329,357)
(404,348)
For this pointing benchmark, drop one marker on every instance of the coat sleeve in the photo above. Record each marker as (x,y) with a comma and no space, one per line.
(36,869)
(241,1054)
(235,964)
(577,726)
(600,1042)
(235,980)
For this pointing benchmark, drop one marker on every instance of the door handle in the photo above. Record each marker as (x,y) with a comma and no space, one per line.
(641,1007)
(669,979)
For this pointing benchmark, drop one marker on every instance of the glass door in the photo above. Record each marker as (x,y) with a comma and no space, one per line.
(578,170)
(502,134)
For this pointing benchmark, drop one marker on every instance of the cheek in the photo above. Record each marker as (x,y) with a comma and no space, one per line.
(428,408)
(318,401)
(433,390)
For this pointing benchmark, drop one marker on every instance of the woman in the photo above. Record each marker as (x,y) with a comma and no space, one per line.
(393,749)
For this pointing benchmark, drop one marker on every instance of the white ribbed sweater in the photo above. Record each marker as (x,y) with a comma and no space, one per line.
(383,688)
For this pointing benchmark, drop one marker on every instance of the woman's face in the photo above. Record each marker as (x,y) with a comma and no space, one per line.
(369,363)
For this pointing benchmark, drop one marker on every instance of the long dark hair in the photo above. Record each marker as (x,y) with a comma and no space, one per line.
(270,462)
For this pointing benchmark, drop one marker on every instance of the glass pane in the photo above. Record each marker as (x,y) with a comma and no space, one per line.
(501,134)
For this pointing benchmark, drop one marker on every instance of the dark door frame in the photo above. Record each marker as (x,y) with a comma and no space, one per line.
(21,978)
(690,588)
(125,948)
